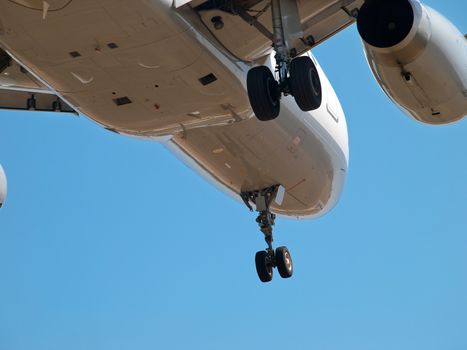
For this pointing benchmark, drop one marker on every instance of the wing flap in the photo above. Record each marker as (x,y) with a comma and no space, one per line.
(20,90)
(14,77)
(33,101)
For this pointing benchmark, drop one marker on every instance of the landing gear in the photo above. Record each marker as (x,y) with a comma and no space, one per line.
(304,83)
(296,76)
(264,265)
(284,262)
(266,260)
(264,93)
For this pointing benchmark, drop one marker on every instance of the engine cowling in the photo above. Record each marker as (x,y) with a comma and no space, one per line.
(3,186)
(418,57)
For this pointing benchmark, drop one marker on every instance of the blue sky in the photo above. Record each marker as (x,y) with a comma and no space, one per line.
(111,243)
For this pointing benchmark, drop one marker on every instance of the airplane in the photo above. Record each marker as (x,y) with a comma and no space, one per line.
(231,86)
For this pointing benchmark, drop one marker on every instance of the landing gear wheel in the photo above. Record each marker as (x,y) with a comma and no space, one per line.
(263,266)
(263,92)
(284,262)
(305,84)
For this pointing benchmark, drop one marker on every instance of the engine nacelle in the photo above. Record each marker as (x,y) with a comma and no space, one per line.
(3,186)
(418,57)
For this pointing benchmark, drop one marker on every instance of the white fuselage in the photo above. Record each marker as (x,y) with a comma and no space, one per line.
(145,69)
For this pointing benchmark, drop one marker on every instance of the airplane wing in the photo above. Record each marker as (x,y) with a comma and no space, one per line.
(247,25)
(20,90)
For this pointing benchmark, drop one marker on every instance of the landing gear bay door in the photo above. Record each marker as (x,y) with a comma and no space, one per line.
(244,27)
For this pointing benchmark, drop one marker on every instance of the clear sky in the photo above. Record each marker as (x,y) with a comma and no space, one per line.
(108,242)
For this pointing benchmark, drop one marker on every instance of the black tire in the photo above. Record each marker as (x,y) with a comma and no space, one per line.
(263,92)
(284,262)
(304,83)
(264,266)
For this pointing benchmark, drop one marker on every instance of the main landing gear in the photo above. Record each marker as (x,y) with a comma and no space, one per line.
(297,76)
(267,260)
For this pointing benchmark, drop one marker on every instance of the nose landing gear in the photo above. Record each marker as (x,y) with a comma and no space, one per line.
(296,76)
(268,259)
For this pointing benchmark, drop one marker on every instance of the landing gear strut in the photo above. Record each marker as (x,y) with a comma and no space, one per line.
(266,260)
(296,76)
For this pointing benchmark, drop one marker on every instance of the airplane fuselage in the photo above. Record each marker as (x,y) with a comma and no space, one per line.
(145,69)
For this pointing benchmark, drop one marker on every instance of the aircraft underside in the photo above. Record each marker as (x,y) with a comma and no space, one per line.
(229,86)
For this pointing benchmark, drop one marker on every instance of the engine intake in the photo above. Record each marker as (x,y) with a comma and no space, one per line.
(385,23)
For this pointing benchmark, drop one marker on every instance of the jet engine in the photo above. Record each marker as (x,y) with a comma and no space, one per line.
(3,186)
(418,57)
